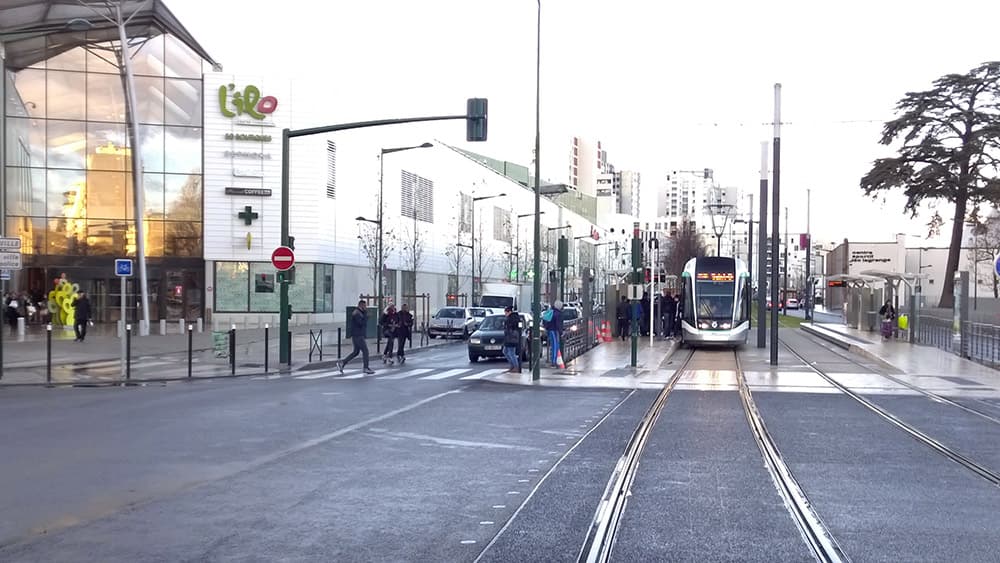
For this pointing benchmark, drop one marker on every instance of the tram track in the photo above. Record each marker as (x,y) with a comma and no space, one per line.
(978,469)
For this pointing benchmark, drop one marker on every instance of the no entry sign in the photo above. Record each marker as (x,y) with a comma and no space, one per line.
(283,258)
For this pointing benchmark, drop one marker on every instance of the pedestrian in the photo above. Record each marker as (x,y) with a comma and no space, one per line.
(888,314)
(12,313)
(512,338)
(554,331)
(359,327)
(669,315)
(404,332)
(390,326)
(623,314)
(81,315)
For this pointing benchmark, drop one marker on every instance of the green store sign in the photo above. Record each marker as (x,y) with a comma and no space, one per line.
(248,102)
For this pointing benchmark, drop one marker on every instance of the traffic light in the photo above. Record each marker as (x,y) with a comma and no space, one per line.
(291,242)
(475,120)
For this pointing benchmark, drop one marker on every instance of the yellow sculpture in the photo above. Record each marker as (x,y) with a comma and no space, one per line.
(61,301)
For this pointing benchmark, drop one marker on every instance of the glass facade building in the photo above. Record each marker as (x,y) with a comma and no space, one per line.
(68,172)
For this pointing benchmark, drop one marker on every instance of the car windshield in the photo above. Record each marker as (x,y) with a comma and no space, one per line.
(494,322)
(451,314)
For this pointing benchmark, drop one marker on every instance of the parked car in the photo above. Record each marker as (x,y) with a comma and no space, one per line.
(456,322)
(487,342)
(792,303)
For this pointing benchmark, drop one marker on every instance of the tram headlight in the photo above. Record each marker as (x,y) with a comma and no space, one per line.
(704,325)
(726,326)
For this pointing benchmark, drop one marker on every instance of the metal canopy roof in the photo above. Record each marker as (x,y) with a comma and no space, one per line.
(857,280)
(26,26)
(894,277)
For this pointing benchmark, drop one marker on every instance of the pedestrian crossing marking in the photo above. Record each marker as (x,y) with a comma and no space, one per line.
(447,374)
(407,373)
(485,373)
(317,375)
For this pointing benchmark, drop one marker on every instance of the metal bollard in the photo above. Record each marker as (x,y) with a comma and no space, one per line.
(267,345)
(190,342)
(338,342)
(163,326)
(128,352)
(289,348)
(311,340)
(201,325)
(20,326)
(232,349)
(180,325)
(321,345)
(48,353)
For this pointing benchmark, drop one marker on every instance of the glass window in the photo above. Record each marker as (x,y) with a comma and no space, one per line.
(324,288)
(25,191)
(149,97)
(66,95)
(31,231)
(183,102)
(182,238)
(181,62)
(232,286)
(25,142)
(151,147)
(65,193)
(107,147)
(101,56)
(155,237)
(105,238)
(73,59)
(182,150)
(152,189)
(67,144)
(262,300)
(28,95)
(300,293)
(147,57)
(105,98)
(182,197)
(107,194)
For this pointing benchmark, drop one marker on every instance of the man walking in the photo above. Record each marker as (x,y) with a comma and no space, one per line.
(624,315)
(512,339)
(404,331)
(81,316)
(359,327)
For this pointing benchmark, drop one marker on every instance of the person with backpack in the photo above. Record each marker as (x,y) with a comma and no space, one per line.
(552,319)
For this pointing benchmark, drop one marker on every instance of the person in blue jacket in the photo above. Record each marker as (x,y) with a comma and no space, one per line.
(554,328)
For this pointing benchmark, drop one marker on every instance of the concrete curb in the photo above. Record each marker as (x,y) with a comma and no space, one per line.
(834,339)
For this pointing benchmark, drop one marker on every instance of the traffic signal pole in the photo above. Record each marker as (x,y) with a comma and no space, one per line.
(636,279)
(476,123)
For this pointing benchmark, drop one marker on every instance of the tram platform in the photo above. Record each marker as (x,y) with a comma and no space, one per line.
(901,357)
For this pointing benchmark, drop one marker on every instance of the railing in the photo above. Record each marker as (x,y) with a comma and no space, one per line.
(981,341)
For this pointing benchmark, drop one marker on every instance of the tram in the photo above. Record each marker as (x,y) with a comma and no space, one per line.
(715,302)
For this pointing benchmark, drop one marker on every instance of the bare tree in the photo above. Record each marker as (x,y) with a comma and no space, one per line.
(683,245)
(368,239)
(412,251)
(486,259)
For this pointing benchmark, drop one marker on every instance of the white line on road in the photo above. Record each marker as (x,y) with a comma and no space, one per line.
(317,375)
(447,374)
(407,373)
(485,373)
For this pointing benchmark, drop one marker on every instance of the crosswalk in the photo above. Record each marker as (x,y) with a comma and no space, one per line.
(416,373)
(148,366)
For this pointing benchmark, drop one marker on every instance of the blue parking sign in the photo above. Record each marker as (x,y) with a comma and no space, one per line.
(123,267)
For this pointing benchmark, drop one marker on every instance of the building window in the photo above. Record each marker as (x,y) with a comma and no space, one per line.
(324,288)
(416,197)
(331,170)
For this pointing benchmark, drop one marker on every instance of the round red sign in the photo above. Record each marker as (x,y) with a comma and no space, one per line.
(283,258)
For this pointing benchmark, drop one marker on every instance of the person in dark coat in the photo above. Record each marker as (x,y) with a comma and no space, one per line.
(512,339)
(81,316)
(624,313)
(359,327)
(669,312)
(404,332)
(390,327)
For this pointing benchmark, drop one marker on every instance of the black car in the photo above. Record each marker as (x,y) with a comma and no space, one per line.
(487,342)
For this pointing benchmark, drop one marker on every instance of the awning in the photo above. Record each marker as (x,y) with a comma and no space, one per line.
(27,25)
(854,281)
(895,278)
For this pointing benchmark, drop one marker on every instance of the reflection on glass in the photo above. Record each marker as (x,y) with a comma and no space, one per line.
(301,293)
(25,191)
(105,98)
(151,141)
(27,93)
(181,238)
(232,286)
(324,288)
(67,144)
(101,56)
(31,231)
(183,150)
(60,59)
(149,97)
(183,102)
(152,188)
(107,194)
(25,142)
(147,56)
(66,95)
(65,193)
(107,147)
(154,237)
(182,197)
(181,61)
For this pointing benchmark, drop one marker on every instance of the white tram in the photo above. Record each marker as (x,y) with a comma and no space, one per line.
(714,308)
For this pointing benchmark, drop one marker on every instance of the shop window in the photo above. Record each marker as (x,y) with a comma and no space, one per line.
(65,95)
(182,238)
(151,147)
(182,150)
(149,97)
(107,147)
(25,144)
(105,98)
(183,197)
(29,98)
(232,287)
(183,102)
(66,143)
(324,288)
(301,294)
(262,301)
(147,57)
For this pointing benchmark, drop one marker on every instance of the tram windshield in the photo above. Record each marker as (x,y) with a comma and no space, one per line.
(715,296)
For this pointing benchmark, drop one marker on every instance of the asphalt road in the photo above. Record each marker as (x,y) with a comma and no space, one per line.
(429,462)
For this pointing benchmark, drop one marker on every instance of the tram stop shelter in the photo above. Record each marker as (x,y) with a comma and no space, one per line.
(894,281)
(859,291)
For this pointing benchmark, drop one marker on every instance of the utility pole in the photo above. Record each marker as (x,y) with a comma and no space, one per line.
(809,258)
(784,310)
(762,250)
(775,225)
(750,251)
(636,279)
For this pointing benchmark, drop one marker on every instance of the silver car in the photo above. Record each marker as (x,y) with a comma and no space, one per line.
(453,322)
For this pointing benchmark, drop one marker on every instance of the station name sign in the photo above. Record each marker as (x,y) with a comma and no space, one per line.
(261,192)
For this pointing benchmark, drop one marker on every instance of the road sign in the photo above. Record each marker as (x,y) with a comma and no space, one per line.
(123,267)
(10,260)
(9,243)
(283,258)
(635,291)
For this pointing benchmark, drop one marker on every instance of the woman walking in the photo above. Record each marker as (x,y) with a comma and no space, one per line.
(390,326)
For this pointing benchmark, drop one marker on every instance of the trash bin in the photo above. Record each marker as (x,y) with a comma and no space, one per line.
(372,322)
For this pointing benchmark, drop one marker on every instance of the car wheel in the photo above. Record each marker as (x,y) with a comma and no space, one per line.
(473,358)
(431,336)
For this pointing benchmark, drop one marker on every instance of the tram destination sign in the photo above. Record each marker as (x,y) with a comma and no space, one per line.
(261,192)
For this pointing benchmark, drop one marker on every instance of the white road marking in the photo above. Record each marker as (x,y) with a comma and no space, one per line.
(485,373)
(447,374)
(317,375)
(407,373)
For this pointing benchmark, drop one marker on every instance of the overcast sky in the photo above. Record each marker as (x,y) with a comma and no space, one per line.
(664,84)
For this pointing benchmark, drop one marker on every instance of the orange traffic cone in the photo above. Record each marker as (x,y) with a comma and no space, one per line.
(559,360)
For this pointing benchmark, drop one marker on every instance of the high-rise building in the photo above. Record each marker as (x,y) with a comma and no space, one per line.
(587,161)
(627,190)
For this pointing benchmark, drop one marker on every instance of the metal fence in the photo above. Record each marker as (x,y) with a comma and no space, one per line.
(981,341)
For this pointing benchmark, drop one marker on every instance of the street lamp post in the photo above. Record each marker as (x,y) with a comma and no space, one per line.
(536,305)
(472,301)
(519,217)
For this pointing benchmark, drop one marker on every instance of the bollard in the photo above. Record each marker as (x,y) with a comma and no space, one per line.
(232,349)
(128,352)
(163,326)
(180,325)
(190,341)
(201,325)
(267,345)
(20,326)
(311,345)
(48,353)
(321,345)
(338,342)
(289,348)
